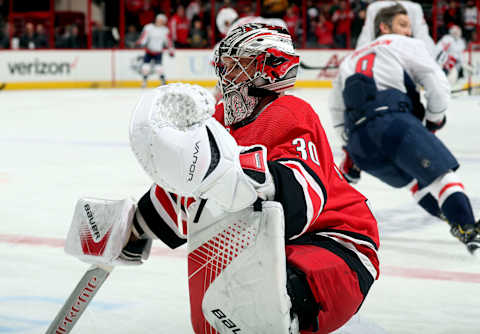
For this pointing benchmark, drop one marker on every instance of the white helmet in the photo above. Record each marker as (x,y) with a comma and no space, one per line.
(161,17)
(455,31)
(225,18)
(269,49)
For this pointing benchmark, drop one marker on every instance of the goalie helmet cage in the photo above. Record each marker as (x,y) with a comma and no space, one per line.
(473,60)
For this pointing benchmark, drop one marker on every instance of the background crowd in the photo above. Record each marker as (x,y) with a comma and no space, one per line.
(320,24)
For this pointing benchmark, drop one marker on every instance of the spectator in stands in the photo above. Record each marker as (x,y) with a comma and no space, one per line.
(470,17)
(357,24)
(452,15)
(292,20)
(74,40)
(27,40)
(475,37)
(41,37)
(4,42)
(246,9)
(131,37)
(342,20)
(102,36)
(193,9)
(60,37)
(179,28)
(333,7)
(274,8)
(324,32)
(312,17)
(197,37)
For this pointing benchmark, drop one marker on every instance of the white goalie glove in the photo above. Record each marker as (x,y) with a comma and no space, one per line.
(100,233)
(186,151)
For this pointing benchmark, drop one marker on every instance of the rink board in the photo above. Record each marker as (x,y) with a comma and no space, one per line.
(31,69)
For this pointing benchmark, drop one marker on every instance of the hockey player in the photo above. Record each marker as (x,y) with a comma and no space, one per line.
(155,37)
(278,241)
(373,105)
(450,50)
(419,28)
(330,233)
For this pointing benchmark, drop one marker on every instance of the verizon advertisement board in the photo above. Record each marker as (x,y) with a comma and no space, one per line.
(55,66)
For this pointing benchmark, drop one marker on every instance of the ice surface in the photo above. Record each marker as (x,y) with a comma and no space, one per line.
(59,145)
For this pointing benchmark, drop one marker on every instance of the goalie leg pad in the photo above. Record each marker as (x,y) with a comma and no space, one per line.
(237,278)
(100,229)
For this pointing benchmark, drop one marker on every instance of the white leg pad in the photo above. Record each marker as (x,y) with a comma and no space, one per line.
(237,275)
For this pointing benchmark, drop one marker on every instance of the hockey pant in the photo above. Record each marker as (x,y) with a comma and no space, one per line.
(338,280)
(396,148)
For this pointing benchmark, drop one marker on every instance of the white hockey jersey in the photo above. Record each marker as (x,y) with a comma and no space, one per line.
(451,47)
(386,60)
(155,39)
(417,20)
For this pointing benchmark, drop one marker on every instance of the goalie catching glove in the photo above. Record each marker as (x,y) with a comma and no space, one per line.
(187,152)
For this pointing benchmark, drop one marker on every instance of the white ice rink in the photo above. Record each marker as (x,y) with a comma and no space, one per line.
(56,146)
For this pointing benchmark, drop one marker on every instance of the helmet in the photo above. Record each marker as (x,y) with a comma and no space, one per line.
(455,31)
(161,17)
(225,18)
(252,61)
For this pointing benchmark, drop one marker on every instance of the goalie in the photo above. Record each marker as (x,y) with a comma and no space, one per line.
(278,241)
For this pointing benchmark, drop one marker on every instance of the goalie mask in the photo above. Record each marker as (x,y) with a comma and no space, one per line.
(252,61)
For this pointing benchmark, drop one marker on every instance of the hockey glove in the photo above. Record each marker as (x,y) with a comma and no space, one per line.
(349,170)
(435,126)
(135,250)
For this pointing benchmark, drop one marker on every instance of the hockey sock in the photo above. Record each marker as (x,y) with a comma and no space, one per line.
(458,210)
(430,204)
(162,79)
(301,296)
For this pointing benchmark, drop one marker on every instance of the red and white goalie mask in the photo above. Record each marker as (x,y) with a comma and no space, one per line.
(254,55)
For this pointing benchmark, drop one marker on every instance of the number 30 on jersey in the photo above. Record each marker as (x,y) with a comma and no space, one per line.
(308,150)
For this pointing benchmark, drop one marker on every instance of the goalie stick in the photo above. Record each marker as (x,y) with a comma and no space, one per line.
(308,67)
(79,299)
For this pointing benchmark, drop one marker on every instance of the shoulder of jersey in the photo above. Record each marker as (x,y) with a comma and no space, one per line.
(293,104)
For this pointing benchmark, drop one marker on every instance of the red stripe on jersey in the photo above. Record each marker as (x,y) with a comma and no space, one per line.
(449,185)
(167,205)
(369,252)
(313,198)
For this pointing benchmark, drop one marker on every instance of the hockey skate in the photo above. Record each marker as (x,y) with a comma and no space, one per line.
(469,235)
(144,83)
